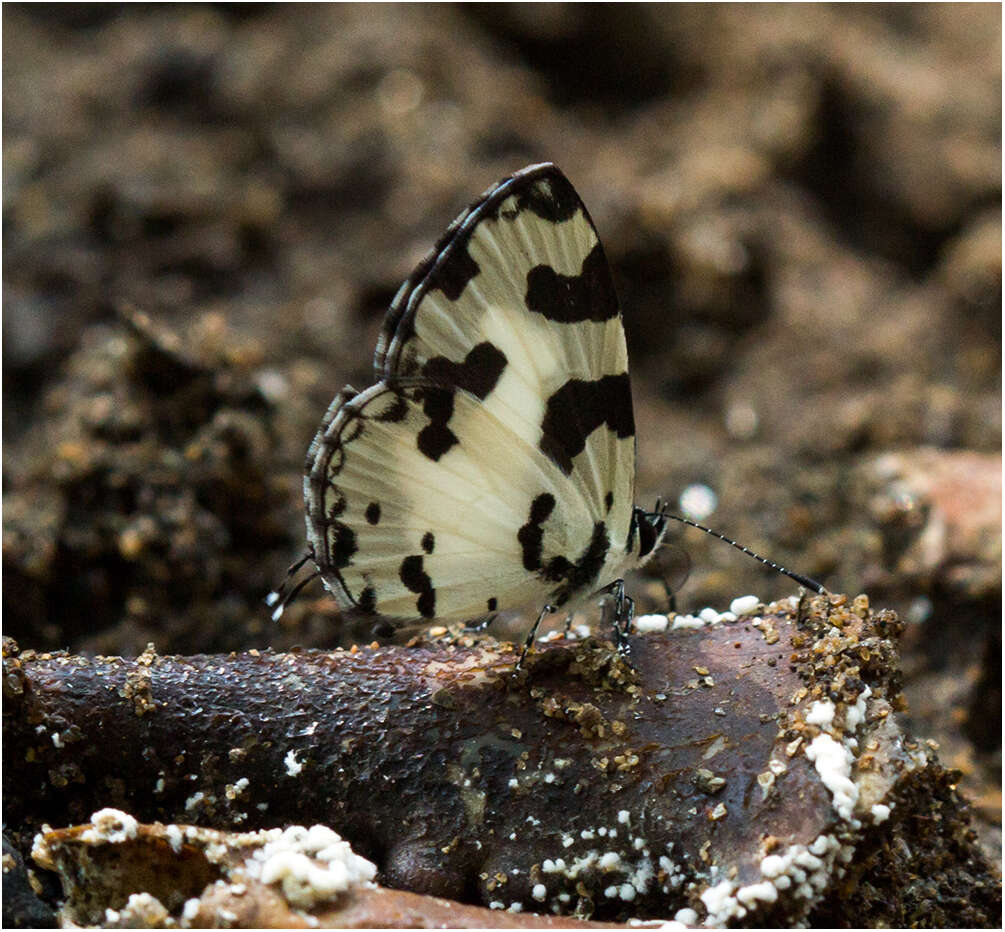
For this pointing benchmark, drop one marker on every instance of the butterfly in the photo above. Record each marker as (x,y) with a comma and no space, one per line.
(491,466)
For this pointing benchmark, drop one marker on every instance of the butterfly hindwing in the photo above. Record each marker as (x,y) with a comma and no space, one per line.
(501,425)
(485,525)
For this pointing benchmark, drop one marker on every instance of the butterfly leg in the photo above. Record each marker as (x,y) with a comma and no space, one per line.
(624,612)
(529,640)
(568,624)
(284,595)
(800,606)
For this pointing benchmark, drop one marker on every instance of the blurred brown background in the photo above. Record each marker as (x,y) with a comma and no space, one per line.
(802,206)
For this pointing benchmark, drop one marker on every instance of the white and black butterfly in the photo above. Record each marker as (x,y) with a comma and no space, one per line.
(492,465)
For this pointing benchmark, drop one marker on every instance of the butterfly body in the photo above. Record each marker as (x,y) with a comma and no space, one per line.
(491,466)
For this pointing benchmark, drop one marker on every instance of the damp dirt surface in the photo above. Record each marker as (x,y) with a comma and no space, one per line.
(208,210)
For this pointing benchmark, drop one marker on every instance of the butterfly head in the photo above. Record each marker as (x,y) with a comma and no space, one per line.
(647,530)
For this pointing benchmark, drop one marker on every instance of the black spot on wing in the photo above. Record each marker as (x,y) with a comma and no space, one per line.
(552,197)
(582,574)
(395,411)
(373,513)
(570,299)
(428,542)
(608,500)
(454,270)
(492,604)
(436,438)
(342,544)
(416,579)
(577,409)
(531,534)
(478,374)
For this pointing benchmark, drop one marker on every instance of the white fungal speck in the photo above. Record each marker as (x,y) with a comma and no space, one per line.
(720,902)
(765,891)
(646,623)
(540,892)
(880,813)
(833,763)
(821,713)
(110,826)
(856,713)
(686,621)
(174,837)
(744,605)
(293,766)
(311,865)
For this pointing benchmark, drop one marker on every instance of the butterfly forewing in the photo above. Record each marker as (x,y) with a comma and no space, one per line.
(518,306)
(502,425)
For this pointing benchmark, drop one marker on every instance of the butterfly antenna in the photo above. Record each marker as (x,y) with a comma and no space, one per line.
(811,584)
(283,596)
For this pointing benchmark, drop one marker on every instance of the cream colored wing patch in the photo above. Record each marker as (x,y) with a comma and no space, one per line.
(487,525)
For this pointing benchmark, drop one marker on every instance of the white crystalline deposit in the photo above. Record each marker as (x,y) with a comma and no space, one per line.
(803,870)
(645,623)
(821,713)
(311,865)
(686,621)
(833,763)
(293,766)
(855,715)
(744,605)
(110,825)
(880,813)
